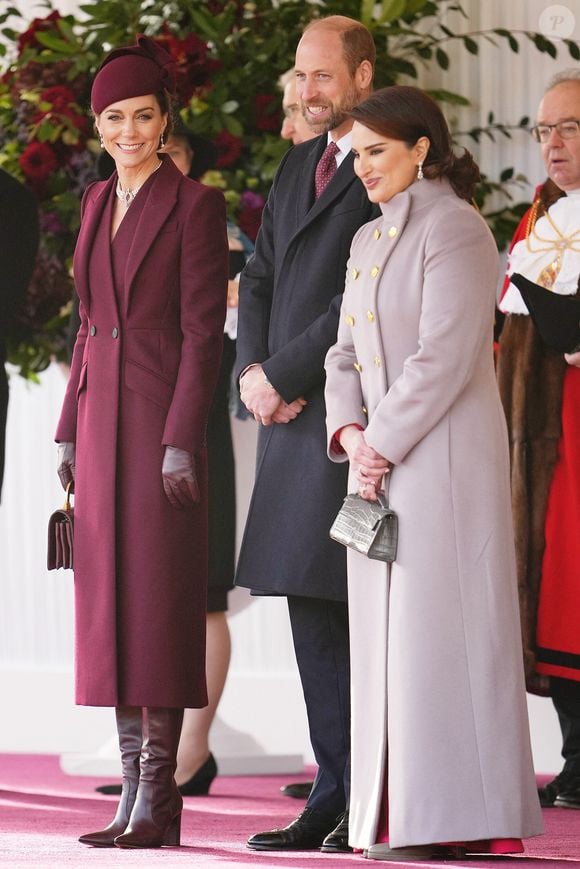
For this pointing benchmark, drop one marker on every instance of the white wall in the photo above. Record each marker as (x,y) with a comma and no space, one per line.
(262,708)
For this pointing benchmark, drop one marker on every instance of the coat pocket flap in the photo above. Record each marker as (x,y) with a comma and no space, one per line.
(148,383)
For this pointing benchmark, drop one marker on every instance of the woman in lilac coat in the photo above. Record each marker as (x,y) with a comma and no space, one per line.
(441,753)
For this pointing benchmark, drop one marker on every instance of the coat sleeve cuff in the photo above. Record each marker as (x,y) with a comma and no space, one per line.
(336,447)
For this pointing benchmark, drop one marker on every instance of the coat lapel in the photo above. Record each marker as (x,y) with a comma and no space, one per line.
(97,198)
(309,209)
(305,184)
(161,201)
(343,178)
(395,215)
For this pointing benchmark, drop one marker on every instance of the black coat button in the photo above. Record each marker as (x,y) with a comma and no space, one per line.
(93,331)
(115,332)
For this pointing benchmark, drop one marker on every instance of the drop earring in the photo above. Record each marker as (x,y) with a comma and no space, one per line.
(420,175)
(101,141)
(162,140)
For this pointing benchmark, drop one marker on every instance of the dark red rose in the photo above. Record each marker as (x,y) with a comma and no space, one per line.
(194,66)
(59,96)
(43,76)
(38,161)
(28,38)
(229,149)
(62,105)
(81,122)
(267,112)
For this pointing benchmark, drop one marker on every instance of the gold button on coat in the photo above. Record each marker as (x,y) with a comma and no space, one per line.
(357,366)
(370,317)
(364,410)
(355,274)
(374,271)
(377,361)
(349,319)
(392,231)
(377,234)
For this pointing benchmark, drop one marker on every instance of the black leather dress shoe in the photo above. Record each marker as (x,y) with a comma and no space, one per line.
(569,798)
(298,790)
(306,833)
(564,783)
(338,839)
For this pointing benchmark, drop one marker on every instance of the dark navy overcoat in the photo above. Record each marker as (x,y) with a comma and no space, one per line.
(290,294)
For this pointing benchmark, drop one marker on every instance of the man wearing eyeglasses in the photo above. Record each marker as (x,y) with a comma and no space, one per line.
(541,394)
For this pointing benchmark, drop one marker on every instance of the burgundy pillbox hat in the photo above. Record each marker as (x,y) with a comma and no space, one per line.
(133,71)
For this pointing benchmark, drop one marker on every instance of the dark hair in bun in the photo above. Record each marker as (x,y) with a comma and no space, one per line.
(408,113)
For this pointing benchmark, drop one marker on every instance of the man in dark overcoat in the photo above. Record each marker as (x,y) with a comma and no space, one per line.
(18,246)
(290,294)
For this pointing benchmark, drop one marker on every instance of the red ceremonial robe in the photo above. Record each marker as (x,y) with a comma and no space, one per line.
(545,484)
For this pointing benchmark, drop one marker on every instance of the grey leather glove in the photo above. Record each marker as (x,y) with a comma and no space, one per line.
(66,463)
(179,479)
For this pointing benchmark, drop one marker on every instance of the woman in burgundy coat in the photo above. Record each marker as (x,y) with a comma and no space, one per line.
(151,274)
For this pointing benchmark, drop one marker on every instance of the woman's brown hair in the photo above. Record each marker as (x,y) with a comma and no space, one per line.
(408,113)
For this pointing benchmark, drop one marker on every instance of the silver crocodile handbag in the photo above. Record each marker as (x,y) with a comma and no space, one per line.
(369,527)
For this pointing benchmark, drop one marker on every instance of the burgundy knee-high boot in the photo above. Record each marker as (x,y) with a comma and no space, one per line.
(130,730)
(156,816)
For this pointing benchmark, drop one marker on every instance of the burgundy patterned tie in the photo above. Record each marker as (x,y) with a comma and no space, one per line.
(325,168)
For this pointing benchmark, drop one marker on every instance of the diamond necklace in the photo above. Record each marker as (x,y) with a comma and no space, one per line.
(128,195)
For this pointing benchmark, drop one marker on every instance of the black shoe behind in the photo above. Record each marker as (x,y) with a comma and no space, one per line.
(564,783)
(198,785)
(306,833)
(570,797)
(298,790)
(109,789)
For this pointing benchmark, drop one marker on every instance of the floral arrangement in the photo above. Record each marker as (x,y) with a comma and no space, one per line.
(229,56)
(44,136)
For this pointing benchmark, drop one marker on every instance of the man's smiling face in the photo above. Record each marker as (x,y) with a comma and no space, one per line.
(324,83)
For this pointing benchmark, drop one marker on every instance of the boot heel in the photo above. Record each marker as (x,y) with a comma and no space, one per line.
(173,833)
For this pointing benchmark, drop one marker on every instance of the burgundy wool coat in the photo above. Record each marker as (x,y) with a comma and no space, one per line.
(143,372)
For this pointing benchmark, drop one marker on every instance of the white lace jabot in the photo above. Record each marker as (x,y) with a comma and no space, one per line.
(543,248)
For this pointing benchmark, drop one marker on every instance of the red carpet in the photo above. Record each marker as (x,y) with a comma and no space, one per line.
(43,811)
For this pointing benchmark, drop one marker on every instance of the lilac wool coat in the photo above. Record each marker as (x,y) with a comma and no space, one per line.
(144,368)
(439,712)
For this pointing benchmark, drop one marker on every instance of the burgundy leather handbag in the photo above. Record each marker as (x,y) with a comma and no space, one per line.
(61,534)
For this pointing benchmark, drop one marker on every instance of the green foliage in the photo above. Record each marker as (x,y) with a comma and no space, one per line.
(230,54)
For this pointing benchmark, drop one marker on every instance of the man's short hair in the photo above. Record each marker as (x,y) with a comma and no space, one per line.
(286,78)
(570,74)
(357,40)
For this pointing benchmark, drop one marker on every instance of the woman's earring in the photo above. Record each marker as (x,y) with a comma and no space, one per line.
(420,175)
(101,141)
(162,141)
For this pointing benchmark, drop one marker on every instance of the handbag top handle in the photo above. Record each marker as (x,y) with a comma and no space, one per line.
(70,490)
